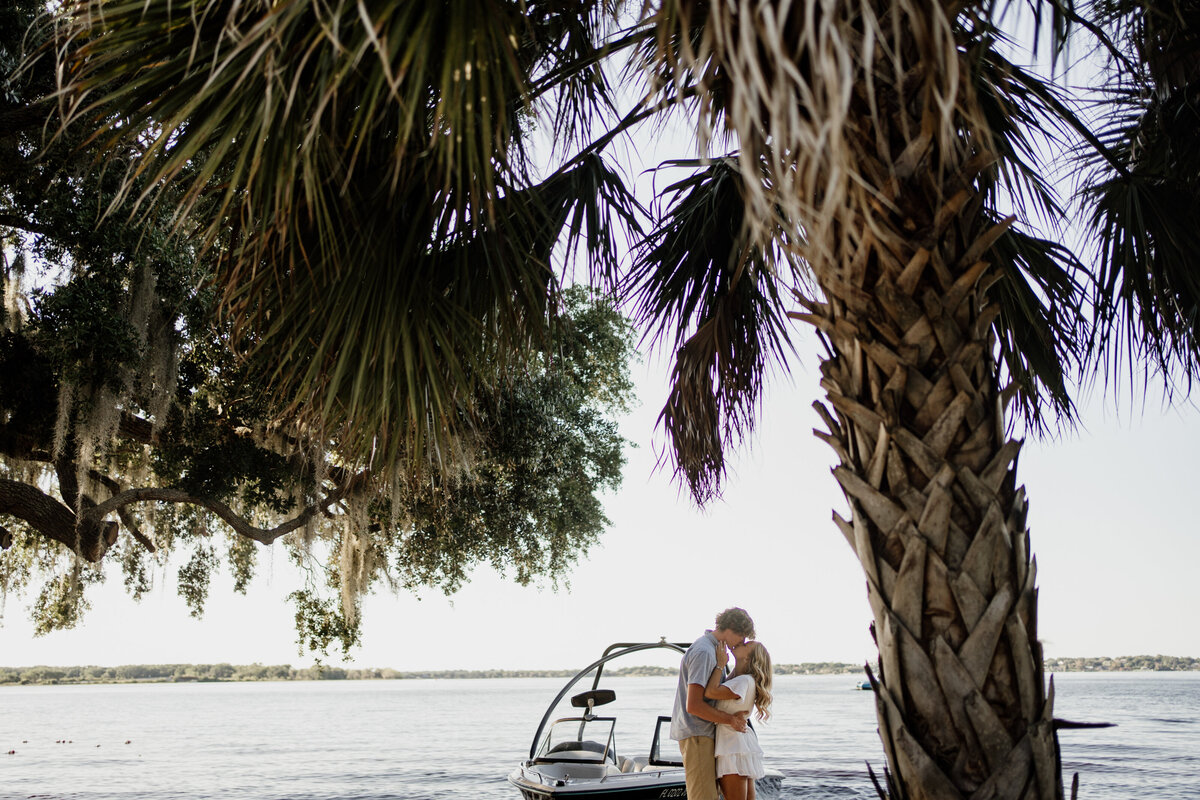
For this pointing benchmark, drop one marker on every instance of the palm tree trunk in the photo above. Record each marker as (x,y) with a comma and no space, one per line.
(916,417)
(866,146)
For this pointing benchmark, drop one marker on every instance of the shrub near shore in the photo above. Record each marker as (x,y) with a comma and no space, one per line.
(181,673)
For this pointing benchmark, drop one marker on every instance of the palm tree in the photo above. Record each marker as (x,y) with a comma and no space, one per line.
(363,171)
(876,145)
(385,239)
(873,140)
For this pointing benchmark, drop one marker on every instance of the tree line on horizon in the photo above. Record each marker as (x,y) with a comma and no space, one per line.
(223,672)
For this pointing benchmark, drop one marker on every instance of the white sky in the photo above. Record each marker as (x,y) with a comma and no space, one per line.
(1112,520)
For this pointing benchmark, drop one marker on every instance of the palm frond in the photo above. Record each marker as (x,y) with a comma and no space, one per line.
(1027,117)
(1041,328)
(598,211)
(1148,286)
(1143,196)
(400,347)
(1155,42)
(707,288)
(1050,22)
(573,40)
(303,89)
(675,66)
(361,168)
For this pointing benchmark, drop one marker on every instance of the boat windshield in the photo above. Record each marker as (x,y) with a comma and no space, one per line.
(580,739)
(664,751)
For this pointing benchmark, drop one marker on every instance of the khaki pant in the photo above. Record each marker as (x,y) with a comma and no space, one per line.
(700,767)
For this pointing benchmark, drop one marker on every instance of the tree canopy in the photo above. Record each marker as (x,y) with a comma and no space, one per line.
(400,148)
(134,428)
(415,290)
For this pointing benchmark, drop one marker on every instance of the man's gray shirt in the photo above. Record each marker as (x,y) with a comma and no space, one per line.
(697,666)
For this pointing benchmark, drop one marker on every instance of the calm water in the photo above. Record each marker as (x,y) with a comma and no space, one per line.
(459,739)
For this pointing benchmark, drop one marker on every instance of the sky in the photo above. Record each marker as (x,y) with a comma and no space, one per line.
(1112,519)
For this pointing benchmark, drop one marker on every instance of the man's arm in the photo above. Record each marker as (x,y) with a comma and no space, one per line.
(698,708)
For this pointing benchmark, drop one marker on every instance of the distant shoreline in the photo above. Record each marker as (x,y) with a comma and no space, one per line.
(225,673)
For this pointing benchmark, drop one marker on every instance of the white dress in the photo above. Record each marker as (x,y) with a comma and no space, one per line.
(738,753)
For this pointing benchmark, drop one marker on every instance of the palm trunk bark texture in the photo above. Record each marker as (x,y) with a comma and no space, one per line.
(915,414)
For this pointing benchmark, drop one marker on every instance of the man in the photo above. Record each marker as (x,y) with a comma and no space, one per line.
(694,719)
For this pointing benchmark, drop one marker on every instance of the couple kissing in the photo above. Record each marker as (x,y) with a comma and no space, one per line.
(711,707)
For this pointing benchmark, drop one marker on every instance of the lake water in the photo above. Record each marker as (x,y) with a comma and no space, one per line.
(393,740)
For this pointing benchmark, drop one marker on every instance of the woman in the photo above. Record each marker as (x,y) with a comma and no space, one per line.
(739,758)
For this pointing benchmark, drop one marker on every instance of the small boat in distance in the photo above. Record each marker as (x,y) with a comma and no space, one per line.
(864,685)
(578,759)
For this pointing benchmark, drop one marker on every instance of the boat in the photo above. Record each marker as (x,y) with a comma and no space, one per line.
(863,685)
(578,757)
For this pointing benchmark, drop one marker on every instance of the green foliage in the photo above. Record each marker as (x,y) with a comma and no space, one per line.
(321,623)
(528,503)
(322,298)
(134,568)
(1141,189)
(549,457)
(61,603)
(241,555)
(127,673)
(77,328)
(121,375)
(422,268)
(28,392)
(195,577)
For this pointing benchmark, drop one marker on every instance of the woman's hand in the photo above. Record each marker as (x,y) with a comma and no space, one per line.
(722,656)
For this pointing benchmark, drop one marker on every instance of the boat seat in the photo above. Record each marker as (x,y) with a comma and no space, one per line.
(636,764)
(580,751)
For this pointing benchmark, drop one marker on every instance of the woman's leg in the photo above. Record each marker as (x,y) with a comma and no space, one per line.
(734,787)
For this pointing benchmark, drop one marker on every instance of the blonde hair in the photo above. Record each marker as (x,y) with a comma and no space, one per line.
(758,667)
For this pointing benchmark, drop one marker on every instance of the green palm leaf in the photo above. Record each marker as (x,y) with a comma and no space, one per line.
(1041,326)
(361,169)
(706,288)
(1143,191)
